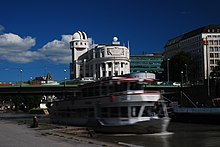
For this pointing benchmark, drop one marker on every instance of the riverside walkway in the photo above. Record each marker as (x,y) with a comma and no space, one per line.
(14,135)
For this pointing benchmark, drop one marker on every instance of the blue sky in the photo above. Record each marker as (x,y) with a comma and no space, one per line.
(34,34)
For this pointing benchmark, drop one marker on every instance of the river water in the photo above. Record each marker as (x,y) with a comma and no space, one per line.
(178,135)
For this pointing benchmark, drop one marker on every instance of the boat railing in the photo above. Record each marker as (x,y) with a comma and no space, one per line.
(197,110)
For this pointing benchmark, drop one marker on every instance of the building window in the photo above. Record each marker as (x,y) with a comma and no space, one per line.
(109,73)
(103,54)
(103,65)
(122,65)
(110,65)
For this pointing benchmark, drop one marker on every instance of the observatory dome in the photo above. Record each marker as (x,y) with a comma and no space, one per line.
(79,36)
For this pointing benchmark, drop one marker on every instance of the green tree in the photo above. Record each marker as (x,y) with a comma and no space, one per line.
(180,62)
(26,102)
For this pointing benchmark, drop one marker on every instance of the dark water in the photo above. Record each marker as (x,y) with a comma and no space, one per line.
(179,135)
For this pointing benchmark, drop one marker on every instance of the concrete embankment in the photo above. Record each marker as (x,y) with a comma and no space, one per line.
(17,132)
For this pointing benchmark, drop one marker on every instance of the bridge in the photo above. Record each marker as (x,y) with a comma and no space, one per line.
(60,89)
(37,90)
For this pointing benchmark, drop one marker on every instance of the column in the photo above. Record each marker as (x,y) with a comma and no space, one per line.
(113,69)
(94,71)
(106,69)
(119,68)
(100,70)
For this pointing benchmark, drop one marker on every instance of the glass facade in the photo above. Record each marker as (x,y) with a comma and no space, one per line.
(146,63)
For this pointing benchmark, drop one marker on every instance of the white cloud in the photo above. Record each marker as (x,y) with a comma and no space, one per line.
(58,51)
(15,42)
(13,48)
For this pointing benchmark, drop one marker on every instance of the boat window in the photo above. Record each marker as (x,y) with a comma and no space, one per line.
(84,112)
(124,87)
(104,112)
(111,90)
(79,112)
(136,86)
(78,94)
(148,111)
(90,92)
(114,112)
(91,112)
(96,90)
(135,111)
(84,93)
(73,113)
(117,87)
(104,90)
(124,111)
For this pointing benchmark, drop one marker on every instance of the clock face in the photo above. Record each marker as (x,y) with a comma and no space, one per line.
(115,51)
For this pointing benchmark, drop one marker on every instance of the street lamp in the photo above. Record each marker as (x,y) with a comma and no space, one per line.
(84,68)
(21,77)
(181,92)
(186,73)
(168,71)
(64,77)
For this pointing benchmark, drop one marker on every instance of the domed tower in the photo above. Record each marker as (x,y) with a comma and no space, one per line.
(79,45)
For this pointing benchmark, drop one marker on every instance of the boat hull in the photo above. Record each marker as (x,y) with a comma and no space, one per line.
(142,127)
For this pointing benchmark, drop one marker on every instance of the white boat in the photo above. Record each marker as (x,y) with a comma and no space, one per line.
(113,105)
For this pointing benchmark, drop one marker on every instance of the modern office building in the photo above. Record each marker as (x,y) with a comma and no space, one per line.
(204,46)
(146,63)
(97,60)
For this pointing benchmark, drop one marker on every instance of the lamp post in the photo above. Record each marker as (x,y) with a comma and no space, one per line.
(21,77)
(168,71)
(30,80)
(186,73)
(181,92)
(64,77)
(84,68)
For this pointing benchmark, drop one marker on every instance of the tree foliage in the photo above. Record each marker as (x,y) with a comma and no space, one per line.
(180,62)
(27,102)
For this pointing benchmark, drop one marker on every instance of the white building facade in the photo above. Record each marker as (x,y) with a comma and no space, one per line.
(204,46)
(97,60)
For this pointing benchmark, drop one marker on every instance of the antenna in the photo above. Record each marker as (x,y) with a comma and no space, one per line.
(128,45)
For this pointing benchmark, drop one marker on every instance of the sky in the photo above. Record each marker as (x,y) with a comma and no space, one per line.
(35,34)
